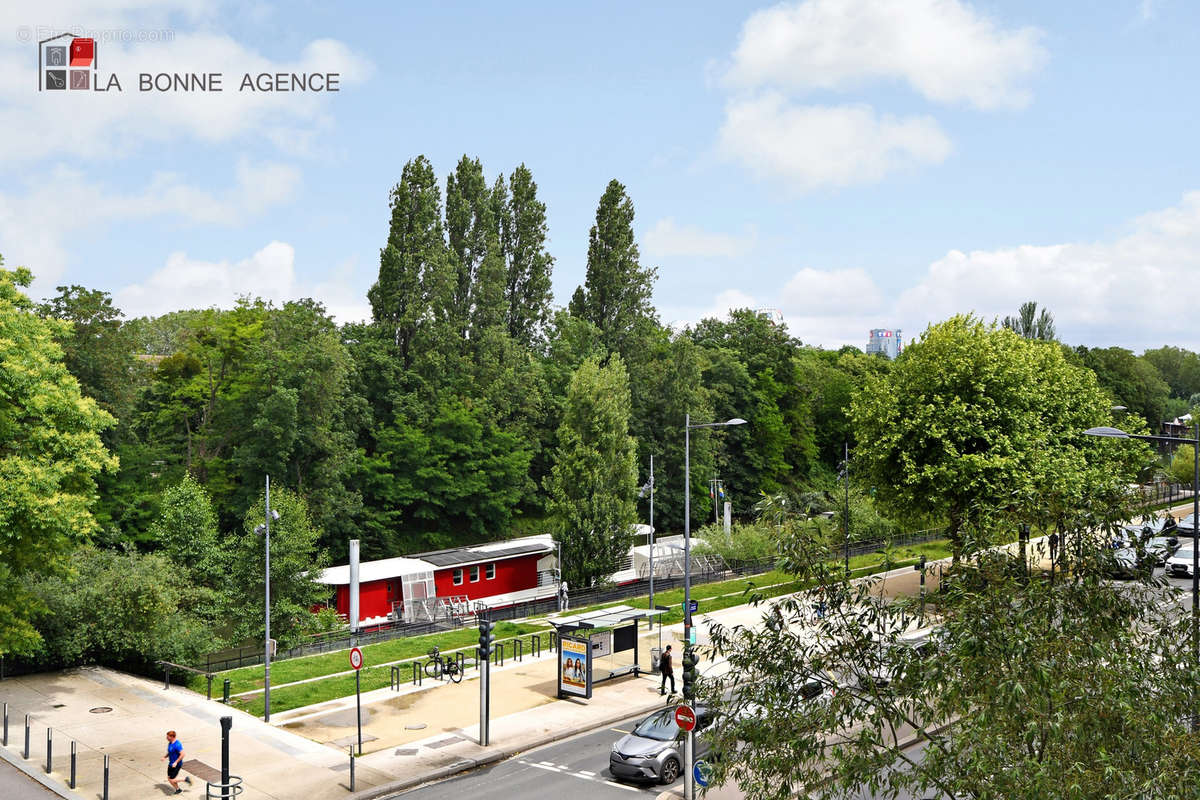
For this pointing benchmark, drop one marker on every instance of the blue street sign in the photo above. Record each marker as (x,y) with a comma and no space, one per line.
(702,772)
(693,603)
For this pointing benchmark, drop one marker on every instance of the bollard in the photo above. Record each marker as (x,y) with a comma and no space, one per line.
(225,692)
(5,742)
(166,677)
(210,677)
(71,782)
(49,751)
(26,756)
(352,768)
(105,778)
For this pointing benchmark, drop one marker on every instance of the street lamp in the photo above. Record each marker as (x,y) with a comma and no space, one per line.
(265,531)
(1117,433)
(689,789)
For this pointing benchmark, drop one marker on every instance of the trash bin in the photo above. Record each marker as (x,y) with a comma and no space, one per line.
(655,658)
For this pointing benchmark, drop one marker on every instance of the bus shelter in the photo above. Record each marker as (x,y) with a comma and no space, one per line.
(589,645)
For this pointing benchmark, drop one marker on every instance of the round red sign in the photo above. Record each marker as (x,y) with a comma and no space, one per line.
(685,717)
(355,657)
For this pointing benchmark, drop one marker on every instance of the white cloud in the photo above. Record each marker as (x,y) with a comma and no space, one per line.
(944,49)
(35,224)
(810,147)
(1136,291)
(111,125)
(269,273)
(667,239)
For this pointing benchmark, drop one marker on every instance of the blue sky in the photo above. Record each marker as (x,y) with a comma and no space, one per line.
(853,163)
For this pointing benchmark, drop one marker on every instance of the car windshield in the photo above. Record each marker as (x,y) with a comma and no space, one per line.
(1183,555)
(659,726)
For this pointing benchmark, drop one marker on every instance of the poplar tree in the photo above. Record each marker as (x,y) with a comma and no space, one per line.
(592,484)
(469,223)
(522,229)
(616,293)
(415,287)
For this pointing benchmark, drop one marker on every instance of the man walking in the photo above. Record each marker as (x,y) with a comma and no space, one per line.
(664,666)
(174,759)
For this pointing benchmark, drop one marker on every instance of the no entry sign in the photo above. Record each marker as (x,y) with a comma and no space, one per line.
(685,717)
(355,658)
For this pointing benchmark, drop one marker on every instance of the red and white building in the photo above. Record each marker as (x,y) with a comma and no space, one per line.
(442,583)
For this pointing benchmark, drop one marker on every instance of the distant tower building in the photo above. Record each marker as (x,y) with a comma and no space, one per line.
(773,314)
(884,341)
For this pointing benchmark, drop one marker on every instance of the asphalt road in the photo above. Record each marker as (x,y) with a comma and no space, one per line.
(575,767)
(16,785)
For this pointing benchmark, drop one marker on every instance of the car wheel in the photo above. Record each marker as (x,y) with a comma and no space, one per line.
(670,770)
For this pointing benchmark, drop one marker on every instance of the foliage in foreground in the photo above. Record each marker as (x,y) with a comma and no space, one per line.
(1079,687)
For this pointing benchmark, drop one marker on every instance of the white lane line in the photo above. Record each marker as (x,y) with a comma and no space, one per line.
(547,763)
(587,772)
(549,767)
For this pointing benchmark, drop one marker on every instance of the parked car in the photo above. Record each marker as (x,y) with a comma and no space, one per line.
(1186,526)
(1179,565)
(653,751)
(1160,548)
(1124,563)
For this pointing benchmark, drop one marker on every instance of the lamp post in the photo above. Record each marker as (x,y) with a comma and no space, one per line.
(689,788)
(1117,433)
(265,531)
(845,476)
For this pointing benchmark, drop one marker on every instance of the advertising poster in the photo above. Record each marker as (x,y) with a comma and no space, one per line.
(574,675)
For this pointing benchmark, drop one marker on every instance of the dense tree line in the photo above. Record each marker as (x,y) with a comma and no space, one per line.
(468,408)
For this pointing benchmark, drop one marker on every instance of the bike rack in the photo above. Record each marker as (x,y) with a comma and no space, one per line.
(224,790)
(416,678)
(518,649)
(535,645)
(395,679)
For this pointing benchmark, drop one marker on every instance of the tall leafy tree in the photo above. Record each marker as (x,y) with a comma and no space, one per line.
(523,233)
(616,292)
(416,284)
(1133,382)
(594,479)
(295,556)
(1178,367)
(470,229)
(50,455)
(1029,324)
(973,419)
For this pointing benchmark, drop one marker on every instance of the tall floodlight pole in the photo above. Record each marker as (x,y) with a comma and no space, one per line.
(264,530)
(689,750)
(1117,433)
(651,536)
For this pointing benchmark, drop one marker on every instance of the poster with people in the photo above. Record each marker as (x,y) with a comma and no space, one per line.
(574,667)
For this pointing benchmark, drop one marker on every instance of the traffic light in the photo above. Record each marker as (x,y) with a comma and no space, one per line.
(690,673)
(486,638)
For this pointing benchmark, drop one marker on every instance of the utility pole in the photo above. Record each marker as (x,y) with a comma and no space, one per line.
(651,535)
(846,506)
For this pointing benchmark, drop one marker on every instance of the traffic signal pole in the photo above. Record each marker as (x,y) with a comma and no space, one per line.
(486,638)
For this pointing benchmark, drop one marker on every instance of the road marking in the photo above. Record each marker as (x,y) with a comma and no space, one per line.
(548,764)
(549,767)
(588,773)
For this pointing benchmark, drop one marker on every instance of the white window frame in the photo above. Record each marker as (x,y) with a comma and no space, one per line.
(457,576)
(490,571)
(475,574)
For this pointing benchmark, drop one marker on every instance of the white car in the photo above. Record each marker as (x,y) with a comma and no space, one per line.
(1180,564)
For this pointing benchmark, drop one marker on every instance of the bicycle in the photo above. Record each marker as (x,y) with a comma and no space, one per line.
(440,666)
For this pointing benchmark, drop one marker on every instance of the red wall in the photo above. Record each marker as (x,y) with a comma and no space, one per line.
(374,598)
(512,575)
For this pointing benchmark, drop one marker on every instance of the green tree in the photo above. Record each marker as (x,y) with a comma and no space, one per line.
(186,531)
(1183,464)
(416,284)
(456,479)
(1178,367)
(1029,324)
(522,224)
(972,420)
(295,558)
(472,234)
(594,479)
(616,292)
(1026,688)
(122,609)
(1133,382)
(50,455)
